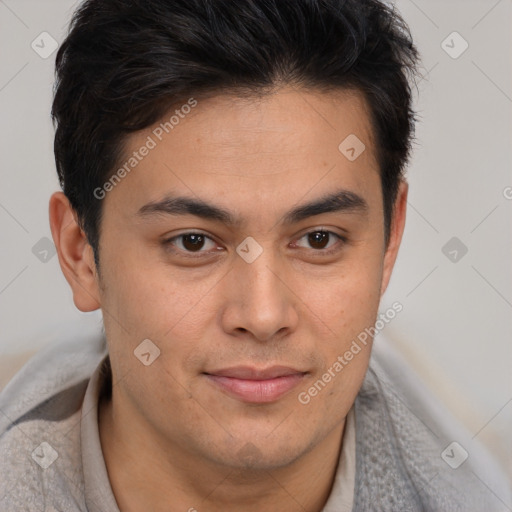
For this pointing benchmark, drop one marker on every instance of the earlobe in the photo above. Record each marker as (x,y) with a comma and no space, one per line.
(395,236)
(74,252)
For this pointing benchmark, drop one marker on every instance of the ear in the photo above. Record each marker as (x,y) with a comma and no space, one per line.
(76,256)
(395,235)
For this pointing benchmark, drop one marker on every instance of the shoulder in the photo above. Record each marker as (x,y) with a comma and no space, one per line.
(41,467)
(410,452)
(57,368)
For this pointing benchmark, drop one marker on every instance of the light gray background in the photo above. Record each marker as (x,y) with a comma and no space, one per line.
(455,328)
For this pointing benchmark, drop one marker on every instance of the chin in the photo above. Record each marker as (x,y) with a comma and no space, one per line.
(259,454)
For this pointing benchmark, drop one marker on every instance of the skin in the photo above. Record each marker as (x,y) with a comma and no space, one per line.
(172,440)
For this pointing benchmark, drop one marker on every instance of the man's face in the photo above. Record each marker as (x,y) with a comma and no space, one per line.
(240,336)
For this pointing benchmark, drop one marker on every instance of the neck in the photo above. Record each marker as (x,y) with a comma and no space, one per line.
(144,476)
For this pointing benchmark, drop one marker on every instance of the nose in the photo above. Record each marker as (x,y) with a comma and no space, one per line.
(259,300)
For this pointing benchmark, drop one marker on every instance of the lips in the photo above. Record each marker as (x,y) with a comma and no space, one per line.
(253,385)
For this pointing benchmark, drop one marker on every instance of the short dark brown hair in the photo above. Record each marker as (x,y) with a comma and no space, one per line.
(124,63)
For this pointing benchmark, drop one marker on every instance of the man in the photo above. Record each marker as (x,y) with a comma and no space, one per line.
(233,200)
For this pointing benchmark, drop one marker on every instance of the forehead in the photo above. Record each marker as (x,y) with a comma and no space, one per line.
(264,148)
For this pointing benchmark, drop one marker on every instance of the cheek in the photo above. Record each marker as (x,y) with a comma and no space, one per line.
(347,297)
(152,303)
(145,296)
(348,310)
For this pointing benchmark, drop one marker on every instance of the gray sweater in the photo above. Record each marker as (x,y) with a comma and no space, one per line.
(410,456)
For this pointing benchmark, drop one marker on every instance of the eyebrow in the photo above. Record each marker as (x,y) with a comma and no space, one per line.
(343,201)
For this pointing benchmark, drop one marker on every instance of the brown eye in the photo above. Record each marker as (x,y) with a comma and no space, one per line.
(193,242)
(318,239)
(322,241)
(189,243)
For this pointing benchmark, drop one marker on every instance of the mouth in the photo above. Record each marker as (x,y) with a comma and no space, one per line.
(254,385)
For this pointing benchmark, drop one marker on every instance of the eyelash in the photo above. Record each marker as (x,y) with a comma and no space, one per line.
(190,254)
